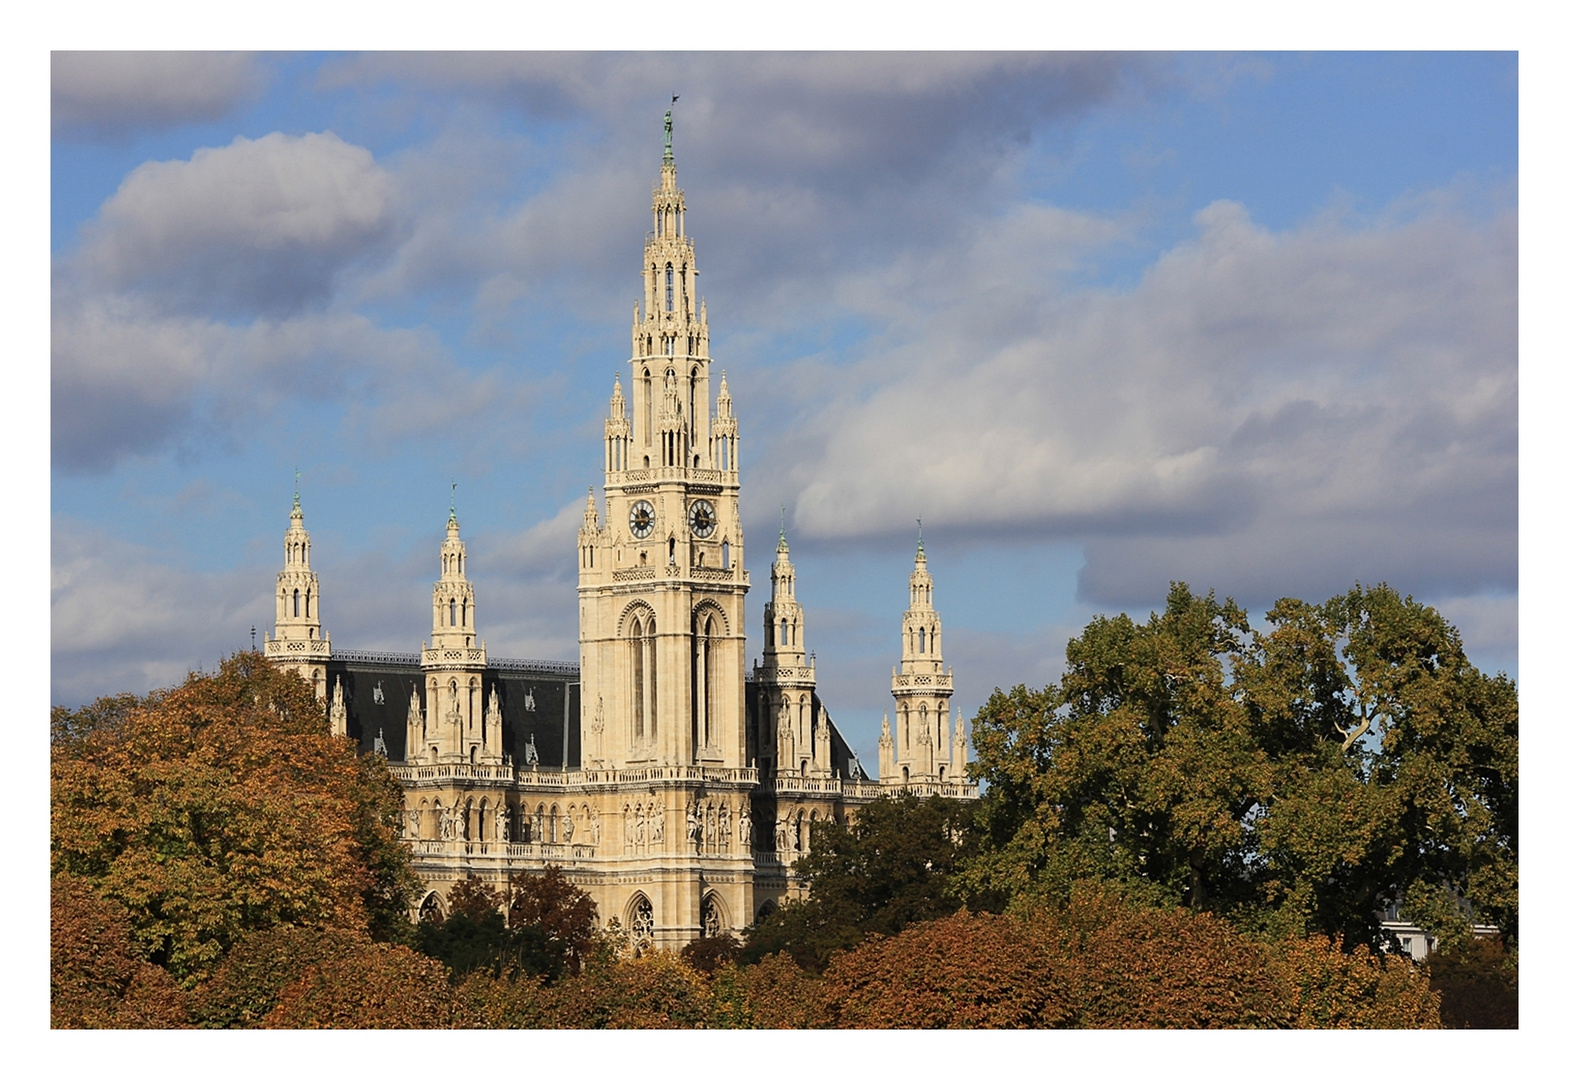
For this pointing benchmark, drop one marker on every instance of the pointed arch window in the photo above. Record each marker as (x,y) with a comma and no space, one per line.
(670,288)
(452,613)
(296,603)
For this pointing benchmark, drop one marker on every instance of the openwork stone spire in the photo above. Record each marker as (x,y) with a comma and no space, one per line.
(297,642)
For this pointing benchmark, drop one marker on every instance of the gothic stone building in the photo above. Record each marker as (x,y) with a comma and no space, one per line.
(666,780)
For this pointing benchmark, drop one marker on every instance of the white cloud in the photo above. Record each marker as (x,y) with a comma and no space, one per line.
(258,226)
(104,93)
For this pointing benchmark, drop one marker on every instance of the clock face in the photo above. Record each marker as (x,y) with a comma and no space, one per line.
(642,519)
(702,519)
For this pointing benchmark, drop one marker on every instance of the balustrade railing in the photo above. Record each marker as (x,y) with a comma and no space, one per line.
(559,780)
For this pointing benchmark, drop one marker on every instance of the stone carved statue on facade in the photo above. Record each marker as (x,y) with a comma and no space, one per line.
(710,832)
(626,827)
(411,823)
(781,845)
(416,725)
(793,825)
(462,818)
(444,822)
(724,827)
(503,824)
(539,825)
(567,827)
(694,827)
(656,825)
(640,827)
(744,828)
(710,917)
(530,752)
(593,824)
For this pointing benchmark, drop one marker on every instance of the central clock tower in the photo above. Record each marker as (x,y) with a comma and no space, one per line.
(661,578)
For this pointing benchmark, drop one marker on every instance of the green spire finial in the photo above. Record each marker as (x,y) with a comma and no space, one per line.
(452,509)
(296,489)
(782,545)
(920,538)
(670,156)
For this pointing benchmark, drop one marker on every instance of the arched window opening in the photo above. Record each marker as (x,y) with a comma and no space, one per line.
(906,771)
(452,613)
(296,603)
(670,287)
(636,643)
(724,550)
(641,924)
(430,910)
(922,639)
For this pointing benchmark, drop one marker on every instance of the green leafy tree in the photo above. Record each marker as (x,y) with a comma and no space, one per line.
(223,807)
(888,867)
(1296,780)
(475,937)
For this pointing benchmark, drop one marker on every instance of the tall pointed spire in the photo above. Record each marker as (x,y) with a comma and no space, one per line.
(297,642)
(922,686)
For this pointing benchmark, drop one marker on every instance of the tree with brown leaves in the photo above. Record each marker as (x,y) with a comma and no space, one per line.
(223,807)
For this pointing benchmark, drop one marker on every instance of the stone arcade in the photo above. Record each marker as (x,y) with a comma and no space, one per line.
(674,786)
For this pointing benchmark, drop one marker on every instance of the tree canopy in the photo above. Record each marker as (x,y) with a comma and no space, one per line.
(888,867)
(223,807)
(1299,777)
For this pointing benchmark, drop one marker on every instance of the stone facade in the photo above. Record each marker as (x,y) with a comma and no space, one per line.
(675,787)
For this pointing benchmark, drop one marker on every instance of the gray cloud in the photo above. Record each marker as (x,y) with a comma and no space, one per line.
(867,154)
(120,620)
(1264,412)
(97,94)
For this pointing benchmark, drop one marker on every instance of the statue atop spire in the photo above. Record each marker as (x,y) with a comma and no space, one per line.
(296,490)
(670,155)
(784,548)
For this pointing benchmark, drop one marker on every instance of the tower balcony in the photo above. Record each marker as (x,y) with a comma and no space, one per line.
(454,657)
(310,649)
(669,474)
(914,683)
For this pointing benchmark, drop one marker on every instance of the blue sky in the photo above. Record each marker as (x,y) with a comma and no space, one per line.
(1100,320)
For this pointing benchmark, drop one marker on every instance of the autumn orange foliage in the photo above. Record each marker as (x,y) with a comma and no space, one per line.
(374,986)
(98,977)
(653,991)
(223,807)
